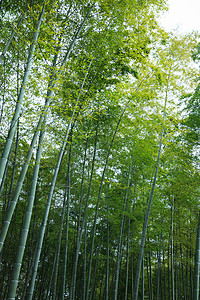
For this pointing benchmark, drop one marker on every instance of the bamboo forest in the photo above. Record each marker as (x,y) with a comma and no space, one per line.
(99,143)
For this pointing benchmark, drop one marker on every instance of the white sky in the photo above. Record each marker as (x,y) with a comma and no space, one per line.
(183,15)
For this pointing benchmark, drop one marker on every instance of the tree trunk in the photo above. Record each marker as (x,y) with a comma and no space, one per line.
(172,250)
(80,229)
(41,120)
(57,255)
(196,264)
(67,194)
(20,99)
(120,240)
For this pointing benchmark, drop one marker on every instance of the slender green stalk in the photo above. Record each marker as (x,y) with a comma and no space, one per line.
(120,242)
(11,38)
(14,166)
(46,214)
(164,275)
(73,280)
(168,270)
(13,202)
(197,264)
(184,284)
(107,247)
(98,200)
(42,120)
(150,275)
(172,249)
(80,232)
(20,99)
(143,278)
(5,172)
(67,194)
(144,231)
(84,259)
(159,264)
(3,91)
(100,190)
(135,296)
(128,252)
(158,276)
(43,226)
(16,145)
(96,264)
(60,233)
(24,233)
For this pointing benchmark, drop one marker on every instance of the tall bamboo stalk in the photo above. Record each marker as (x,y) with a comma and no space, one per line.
(172,249)
(84,259)
(47,209)
(80,230)
(41,122)
(67,194)
(120,240)
(20,99)
(107,247)
(60,231)
(56,170)
(197,264)
(135,296)
(144,231)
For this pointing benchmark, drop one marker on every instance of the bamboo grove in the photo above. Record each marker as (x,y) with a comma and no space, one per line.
(99,141)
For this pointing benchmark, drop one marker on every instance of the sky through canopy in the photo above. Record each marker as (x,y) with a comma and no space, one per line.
(182,15)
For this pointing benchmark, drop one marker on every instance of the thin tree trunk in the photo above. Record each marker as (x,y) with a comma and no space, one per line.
(150,276)
(96,263)
(182,272)
(98,200)
(128,252)
(169,281)
(16,147)
(120,240)
(20,99)
(158,276)
(197,264)
(43,226)
(46,214)
(4,180)
(164,275)
(107,248)
(84,260)
(187,275)
(14,166)
(67,194)
(159,264)
(135,296)
(191,275)
(143,278)
(60,236)
(79,237)
(176,281)
(3,92)
(42,119)
(172,250)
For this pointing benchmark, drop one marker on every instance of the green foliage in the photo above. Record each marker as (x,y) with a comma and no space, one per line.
(135,72)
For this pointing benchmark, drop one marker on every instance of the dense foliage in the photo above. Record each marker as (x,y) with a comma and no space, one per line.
(99,136)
